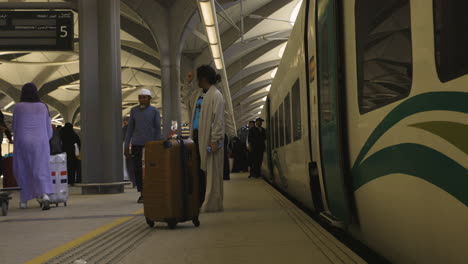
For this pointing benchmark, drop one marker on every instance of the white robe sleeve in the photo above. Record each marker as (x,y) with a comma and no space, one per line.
(218,125)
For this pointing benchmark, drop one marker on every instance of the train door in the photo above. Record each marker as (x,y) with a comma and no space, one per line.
(315,181)
(330,100)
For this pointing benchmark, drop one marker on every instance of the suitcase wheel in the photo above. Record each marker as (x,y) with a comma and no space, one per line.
(149,222)
(196,222)
(172,223)
(4,208)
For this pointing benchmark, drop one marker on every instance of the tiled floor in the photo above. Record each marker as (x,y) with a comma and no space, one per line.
(258,226)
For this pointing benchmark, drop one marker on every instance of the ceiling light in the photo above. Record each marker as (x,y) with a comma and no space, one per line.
(218,63)
(207,13)
(281,50)
(273,73)
(212,35)
(268,88)
(215,51)
(264,99)
(259,113)
(8,105)
(295,12)
(261,107)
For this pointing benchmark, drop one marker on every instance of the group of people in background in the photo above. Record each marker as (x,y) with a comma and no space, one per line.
(35,139)
(248,149)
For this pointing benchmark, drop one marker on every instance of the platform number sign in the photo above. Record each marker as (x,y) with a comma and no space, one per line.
(36,31)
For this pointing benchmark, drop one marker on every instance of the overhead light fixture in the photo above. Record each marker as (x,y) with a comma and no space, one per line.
(218,63)
(259,113)
(261,107)
(212,35)
(215,51)
(8,105)
(264,99)
(207,13)
(268,88)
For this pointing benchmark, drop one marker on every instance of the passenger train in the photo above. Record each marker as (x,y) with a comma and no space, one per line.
(367,123)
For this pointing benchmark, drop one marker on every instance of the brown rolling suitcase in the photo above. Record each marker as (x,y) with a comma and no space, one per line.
(171,182)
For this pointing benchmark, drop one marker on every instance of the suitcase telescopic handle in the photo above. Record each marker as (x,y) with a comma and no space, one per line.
(184,176)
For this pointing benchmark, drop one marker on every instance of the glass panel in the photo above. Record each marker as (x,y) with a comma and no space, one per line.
(287,119)
(384,52)
(281,125)
(451,40)
(272,132)
(277,130)
(296,111)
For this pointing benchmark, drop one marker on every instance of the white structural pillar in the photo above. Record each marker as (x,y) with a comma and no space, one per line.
(101,96)
(170,75)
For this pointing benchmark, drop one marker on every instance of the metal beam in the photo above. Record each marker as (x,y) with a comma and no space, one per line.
(242,99)
(235,87)
(244,61)
(232,35)
(253,69)
(252,88)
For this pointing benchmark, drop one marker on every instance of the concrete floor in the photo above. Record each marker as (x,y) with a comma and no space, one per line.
(28,233)
(258,226)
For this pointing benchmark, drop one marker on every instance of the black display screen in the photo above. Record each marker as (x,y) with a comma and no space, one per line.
(36,31)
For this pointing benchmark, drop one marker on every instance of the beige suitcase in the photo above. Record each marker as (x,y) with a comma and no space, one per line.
(171,182)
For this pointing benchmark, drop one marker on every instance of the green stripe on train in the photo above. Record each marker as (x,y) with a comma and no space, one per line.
(455,133)
(417,160)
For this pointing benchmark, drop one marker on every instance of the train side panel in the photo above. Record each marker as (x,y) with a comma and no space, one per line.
(409,172)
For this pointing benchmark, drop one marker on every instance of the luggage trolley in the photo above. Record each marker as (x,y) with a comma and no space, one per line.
(5,198)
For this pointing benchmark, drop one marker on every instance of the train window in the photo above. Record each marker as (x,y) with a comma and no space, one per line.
(384,52)
(451,41)
(281,125)
(296,111)
(271,129)
(287,119)
(276,130)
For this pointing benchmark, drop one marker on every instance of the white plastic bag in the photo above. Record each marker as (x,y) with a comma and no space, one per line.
(77,150)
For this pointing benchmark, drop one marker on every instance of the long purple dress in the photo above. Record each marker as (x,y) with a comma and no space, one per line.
(32,131)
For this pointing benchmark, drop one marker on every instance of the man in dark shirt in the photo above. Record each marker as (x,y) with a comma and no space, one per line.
(144,125)
(257,137)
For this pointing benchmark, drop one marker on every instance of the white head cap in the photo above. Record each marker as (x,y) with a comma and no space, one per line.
(145,92)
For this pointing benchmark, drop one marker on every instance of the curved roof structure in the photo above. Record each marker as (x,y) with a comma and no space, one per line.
(251,58)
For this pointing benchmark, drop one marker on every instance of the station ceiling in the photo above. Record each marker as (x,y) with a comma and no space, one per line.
(250,64)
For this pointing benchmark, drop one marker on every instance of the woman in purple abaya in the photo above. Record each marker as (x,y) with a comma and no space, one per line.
(32,131)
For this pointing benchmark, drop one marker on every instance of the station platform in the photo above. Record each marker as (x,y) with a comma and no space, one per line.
(258,225)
